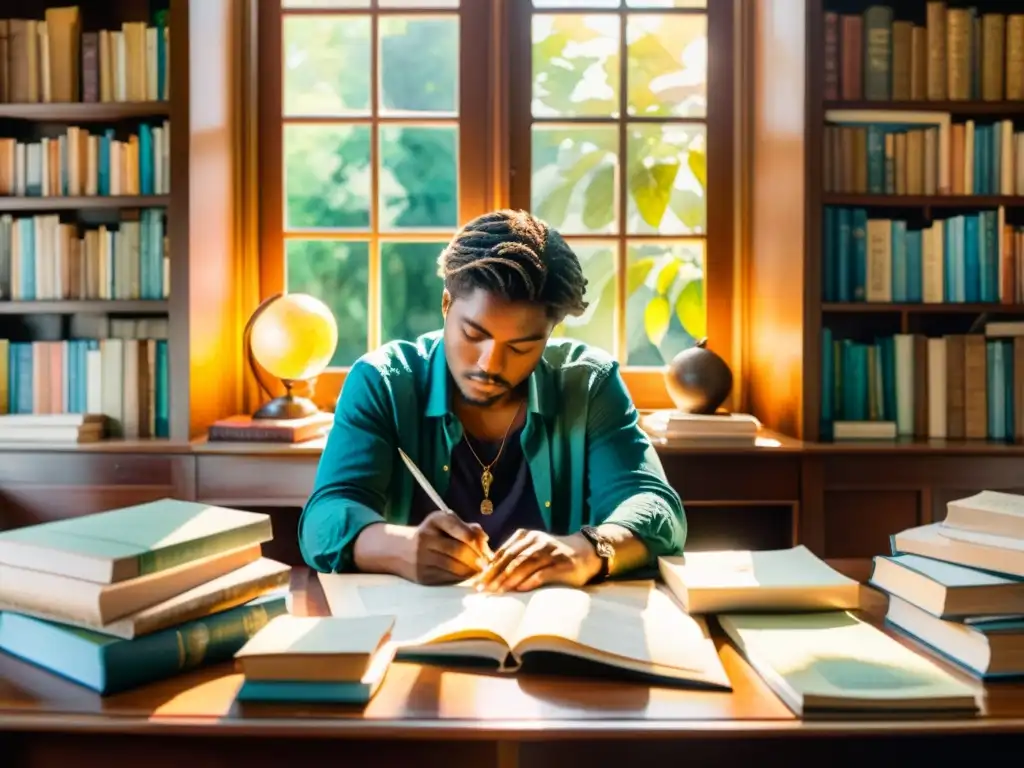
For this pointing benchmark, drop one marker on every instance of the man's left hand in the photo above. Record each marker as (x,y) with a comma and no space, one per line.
(531,559)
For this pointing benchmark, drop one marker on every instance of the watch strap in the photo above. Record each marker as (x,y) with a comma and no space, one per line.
(603,548)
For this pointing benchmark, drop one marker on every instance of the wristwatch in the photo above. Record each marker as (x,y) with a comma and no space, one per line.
(604,550)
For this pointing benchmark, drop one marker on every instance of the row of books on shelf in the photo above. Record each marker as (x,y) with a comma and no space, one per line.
(43,258)
(957,586)
(83,163)
(892,153)
(957,55)
(53,60)
(119,380)
(968,258)
(956,386)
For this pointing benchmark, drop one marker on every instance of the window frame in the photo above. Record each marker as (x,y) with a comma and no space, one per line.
(494,154)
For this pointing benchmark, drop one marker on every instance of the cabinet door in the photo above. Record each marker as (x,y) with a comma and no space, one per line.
(39,486)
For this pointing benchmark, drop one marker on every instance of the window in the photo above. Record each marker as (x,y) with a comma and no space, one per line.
(381,121)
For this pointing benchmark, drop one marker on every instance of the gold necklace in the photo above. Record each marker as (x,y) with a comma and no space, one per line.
(486,478)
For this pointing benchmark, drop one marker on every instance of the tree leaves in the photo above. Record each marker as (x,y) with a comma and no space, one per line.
(599,199)
(690,309)
(637,273)
(651,187)
(657,315)
(697,159)
(667,276)
(555,206)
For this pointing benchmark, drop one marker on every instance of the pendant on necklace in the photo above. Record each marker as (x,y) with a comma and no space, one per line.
(486,506)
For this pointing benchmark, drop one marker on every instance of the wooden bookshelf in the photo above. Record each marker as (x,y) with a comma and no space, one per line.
(922,201)
(78,112)
(97,202)
(790,315)
(202,313)
(922,308)
(854,494)
(959,108)
(73,306)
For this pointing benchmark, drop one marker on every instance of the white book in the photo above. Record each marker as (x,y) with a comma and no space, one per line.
(767,580)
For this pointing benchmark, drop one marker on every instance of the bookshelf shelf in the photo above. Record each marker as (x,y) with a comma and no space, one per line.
(923,201)
(85,112)
(73,306)
(947,308)
(957,108)
(56,203)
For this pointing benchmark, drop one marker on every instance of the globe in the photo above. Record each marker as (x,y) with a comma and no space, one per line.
(294,337)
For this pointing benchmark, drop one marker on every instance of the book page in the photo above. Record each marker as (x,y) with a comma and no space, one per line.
(657,632)
(425,615)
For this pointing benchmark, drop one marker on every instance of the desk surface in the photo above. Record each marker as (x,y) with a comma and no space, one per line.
(430,702)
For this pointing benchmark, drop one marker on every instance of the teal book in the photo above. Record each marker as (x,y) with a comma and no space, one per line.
(305,692)
(121,544)
(878,53)
(988,647)
(110,665)
(946,589)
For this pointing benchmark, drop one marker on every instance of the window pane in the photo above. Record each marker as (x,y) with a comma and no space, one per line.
(596,326)
(337,273)
(419,174)
(575,65)
(667,3)
(326,65)
(327,176)
(325,3)
(573,186)
(410,290)
(666,311)
(419,64)
(575,3)
(667,179)
(419,3)
(668,64)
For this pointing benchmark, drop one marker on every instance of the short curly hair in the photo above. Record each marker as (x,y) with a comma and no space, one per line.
(518,256)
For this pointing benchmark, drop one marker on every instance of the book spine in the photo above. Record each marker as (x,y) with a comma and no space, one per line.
(130,663)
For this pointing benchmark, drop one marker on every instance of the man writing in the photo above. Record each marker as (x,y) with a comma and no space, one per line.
(533,443)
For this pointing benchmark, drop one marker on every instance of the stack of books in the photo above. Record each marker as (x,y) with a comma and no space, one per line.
(51,427)
(118,599)
(791,615)
(957,586)
(317,659)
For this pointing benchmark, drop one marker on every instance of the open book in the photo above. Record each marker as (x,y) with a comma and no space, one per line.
(632,627)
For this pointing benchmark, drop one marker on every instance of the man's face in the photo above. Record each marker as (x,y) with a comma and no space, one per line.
(492,345)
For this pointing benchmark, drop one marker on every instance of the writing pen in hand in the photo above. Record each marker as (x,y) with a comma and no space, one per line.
(483,552)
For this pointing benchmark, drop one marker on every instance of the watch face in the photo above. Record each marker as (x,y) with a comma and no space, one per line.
(604,549)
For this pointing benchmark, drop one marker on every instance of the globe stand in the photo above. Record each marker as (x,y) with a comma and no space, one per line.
(287,406)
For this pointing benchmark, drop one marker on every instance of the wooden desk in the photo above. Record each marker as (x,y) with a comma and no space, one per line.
(431,716)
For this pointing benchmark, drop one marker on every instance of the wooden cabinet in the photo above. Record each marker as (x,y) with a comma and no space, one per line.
(856,496)
(41,485)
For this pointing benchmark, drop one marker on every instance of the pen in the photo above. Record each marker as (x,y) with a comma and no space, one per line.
(429,490)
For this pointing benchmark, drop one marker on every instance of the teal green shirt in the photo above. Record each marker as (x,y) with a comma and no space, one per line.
(589,460)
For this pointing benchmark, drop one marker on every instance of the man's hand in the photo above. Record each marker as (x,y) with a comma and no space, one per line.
(530,559)
(443,549)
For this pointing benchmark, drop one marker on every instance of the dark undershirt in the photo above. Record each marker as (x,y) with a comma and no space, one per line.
(515,503)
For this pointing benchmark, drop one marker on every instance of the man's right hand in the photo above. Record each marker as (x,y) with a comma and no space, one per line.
(443,549)
(446,549)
